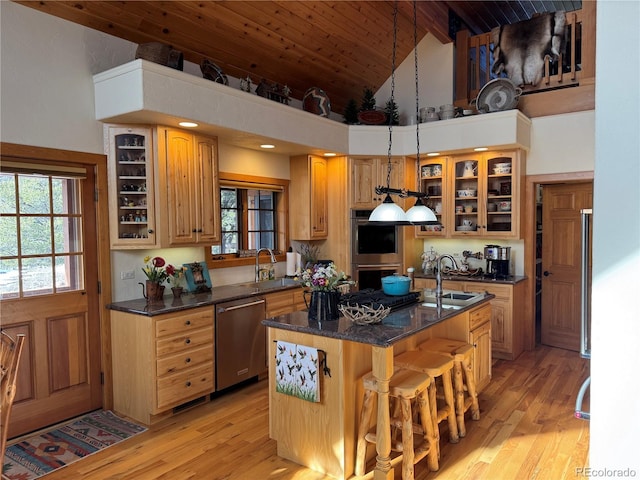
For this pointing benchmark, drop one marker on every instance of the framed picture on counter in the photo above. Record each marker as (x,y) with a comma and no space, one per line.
(198,280)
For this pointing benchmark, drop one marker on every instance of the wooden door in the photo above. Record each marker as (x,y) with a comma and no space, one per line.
(50,292)
(561,263)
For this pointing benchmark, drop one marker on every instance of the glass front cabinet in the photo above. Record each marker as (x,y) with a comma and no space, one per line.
(131,187)
(433,176)
(481,194)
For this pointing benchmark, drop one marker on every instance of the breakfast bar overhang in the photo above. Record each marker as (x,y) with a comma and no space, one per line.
(322,435)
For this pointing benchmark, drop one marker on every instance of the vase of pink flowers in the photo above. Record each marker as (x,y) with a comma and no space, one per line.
(322,280)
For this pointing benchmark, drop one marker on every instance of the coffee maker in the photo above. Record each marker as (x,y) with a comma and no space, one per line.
(498,261)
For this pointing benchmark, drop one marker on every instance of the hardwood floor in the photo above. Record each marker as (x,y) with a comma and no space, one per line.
(527,431)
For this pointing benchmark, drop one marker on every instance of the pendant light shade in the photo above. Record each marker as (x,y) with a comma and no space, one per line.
(420,214)
(388,212)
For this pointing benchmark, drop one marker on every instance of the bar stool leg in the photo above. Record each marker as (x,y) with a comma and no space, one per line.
(471,388)
(458,384)
(448,398)
(430,435)
(407,440)
(363,429)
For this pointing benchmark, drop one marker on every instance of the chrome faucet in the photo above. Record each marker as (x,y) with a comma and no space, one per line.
(439,274)
(273,260)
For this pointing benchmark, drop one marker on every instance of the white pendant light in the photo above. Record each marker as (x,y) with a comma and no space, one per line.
(420,214)
(388,212)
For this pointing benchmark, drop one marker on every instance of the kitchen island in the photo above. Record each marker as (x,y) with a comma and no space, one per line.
(322,435)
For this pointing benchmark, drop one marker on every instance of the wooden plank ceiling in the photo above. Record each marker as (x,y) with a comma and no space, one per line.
(339,46)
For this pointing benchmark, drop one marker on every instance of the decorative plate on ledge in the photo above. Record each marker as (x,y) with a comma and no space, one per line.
(372,117)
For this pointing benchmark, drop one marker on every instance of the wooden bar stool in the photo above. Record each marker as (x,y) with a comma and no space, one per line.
(461,353)
(436,366)
(404,386)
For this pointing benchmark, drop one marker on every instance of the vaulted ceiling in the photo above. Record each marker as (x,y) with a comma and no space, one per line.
(339,46)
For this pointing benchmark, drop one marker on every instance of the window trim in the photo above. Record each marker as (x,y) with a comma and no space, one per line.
(237,180)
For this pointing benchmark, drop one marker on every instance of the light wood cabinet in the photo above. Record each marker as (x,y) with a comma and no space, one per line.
(163,188)
(480,337)
(308,193)
(434,182)
(480,196)
(367,174)
(285,301)
(161,362)
(507,312)
(132,213)
(188,178)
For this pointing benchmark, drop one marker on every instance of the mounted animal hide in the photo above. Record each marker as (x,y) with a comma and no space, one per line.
(520,48)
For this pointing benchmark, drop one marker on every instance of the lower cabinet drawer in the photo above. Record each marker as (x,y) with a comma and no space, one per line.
(181,361)
(479,316)
(184,341)
(184,386)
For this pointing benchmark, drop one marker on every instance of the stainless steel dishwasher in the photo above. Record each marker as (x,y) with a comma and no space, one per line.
(240,341)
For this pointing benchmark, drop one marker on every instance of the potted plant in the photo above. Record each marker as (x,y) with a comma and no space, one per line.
(351,112)
(368,113)
(391,111)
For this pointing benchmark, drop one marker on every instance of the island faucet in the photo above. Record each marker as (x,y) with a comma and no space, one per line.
(439,274)
(273,260)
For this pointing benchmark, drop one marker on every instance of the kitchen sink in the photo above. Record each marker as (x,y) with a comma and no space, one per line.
(274,284)
(451,299)
(458,296)
(442,305)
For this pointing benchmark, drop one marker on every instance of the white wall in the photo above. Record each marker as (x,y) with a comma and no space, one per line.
(615,390)
(435,67)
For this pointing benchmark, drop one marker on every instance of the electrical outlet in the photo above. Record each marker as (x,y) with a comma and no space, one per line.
(128,275)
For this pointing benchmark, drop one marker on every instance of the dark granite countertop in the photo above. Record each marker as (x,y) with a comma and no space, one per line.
(397,325)
(185,302)
(512,280)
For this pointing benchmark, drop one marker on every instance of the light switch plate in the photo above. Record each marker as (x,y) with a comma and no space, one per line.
(127,275)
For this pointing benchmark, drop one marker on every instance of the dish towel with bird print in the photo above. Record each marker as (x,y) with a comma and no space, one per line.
(297,371)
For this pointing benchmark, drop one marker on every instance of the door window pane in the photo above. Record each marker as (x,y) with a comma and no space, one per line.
(31,231)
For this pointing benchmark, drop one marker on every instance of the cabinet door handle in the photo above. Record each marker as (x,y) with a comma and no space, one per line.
(187,322)
(546,273)
(150,231)
(187,341)
(188,384)
(187,360)
(193,231)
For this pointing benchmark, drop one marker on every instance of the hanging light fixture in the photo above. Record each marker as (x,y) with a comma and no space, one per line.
(388,212)
(419,214)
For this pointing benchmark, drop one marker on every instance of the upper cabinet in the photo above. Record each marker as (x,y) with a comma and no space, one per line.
(188,172)
(367,174)
(481,194)
(308,194)
(131,187)
(433,181)
(163,188)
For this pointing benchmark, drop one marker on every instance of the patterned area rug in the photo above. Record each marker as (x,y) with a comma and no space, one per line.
(44,452)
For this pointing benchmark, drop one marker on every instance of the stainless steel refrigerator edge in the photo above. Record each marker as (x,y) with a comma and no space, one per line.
(585,314)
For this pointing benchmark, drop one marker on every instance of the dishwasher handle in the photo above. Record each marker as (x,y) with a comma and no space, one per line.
(242,305)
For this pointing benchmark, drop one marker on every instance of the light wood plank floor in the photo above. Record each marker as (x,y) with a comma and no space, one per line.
(527,431)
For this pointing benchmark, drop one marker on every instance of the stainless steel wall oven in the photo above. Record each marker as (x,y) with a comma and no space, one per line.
(376,250)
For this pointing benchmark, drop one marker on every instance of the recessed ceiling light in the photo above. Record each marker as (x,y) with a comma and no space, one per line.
(433,154)
(188,124)
(480,149)
(330,154)
(267,145)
